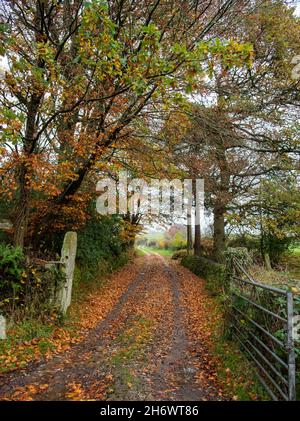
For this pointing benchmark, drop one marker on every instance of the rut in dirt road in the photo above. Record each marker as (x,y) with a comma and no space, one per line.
(147,348)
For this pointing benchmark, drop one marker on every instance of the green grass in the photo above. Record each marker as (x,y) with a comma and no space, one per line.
(296,251)
(237,373)
(24,332)
(140,252)
(132,341)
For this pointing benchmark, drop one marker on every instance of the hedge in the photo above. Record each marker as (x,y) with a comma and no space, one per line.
(213,273)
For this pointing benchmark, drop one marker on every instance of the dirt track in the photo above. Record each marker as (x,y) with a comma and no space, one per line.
(147,348)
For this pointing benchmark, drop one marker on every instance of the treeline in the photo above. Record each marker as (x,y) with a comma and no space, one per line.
(79,84)
(80,80)
(172,239)
(241,135)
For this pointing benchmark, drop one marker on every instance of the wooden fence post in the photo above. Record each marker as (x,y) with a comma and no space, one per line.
(68,255)
(2,327)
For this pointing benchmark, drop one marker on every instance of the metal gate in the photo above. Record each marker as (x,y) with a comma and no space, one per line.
(261,320)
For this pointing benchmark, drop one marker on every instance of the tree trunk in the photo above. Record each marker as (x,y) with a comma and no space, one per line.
(219,233)
(223,196)
(24,171)
(22,208)
(267,261)
(197,241)
(20,225)
(189,239)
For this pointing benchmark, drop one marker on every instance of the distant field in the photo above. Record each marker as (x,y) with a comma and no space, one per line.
(292,262)
(154,236)
(162,252)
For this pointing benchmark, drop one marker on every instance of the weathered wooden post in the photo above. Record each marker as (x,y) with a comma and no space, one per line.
(2,327)
(5,225)
(68,255)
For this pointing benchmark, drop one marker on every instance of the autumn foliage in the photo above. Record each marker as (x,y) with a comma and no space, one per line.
(78,78)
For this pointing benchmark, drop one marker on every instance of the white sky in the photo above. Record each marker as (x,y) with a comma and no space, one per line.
(3,60)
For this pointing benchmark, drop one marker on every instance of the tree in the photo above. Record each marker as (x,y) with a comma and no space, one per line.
(247,129)
(79,74)
(272,211)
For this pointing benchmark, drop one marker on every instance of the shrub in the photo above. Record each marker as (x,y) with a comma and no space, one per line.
(178,242)
(11,270)
(27,288)
(11,262)
(100,247)
(207,246)
(213,273)
(277,247)
(241,254)
(251,243)
(163,244)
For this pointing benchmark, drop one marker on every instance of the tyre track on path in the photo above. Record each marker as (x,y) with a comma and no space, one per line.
(175,379)
(59,370)
(144,349)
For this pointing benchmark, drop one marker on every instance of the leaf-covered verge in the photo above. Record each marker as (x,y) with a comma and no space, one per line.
(233,369)
(142,349)
(27,288)
(37,338)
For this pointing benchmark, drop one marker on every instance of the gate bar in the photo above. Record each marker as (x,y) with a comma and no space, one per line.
(285,365)
(290,347)
(260,307)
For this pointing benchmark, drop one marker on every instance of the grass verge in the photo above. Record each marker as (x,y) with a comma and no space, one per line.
(235,371)
(36,338)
